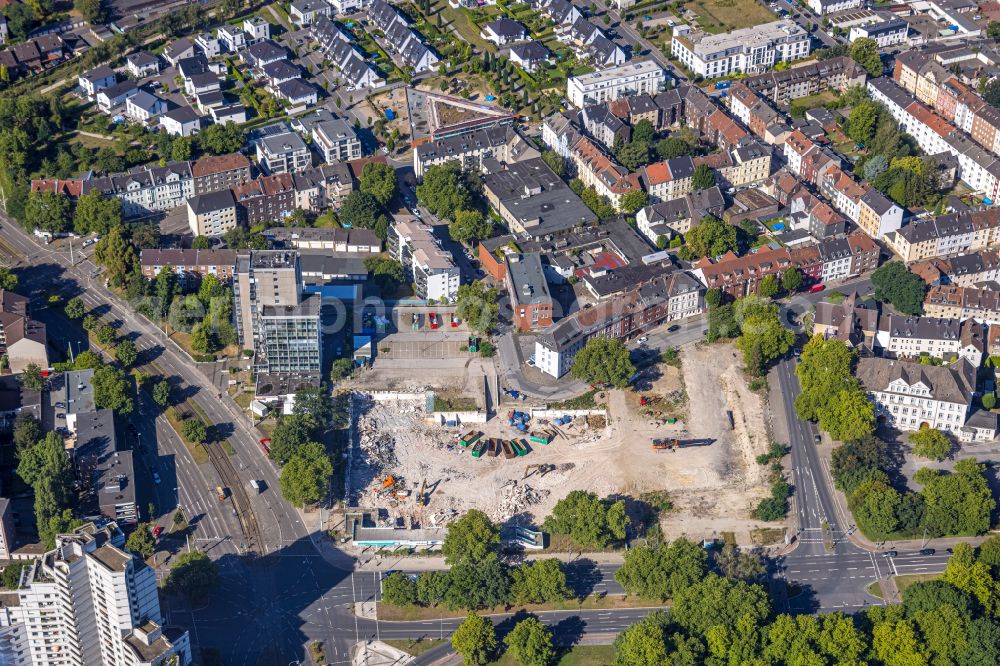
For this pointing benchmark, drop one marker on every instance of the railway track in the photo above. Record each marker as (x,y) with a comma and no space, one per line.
(238,495)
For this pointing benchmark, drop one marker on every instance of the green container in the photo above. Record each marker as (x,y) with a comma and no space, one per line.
(479,448)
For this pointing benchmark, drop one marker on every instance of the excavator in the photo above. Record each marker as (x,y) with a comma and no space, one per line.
(421,497)
(542,469)
(665,444)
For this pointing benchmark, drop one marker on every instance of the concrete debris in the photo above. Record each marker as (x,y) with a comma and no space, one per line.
(515,498)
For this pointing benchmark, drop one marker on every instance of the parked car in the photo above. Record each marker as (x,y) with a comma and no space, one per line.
(157,531)
(673,329)
(926,551)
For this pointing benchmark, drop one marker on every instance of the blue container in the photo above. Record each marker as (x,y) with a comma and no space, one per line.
(390,114)
(779,226)
(490,98)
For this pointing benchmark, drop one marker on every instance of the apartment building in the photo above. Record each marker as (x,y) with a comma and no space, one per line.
(838,73)
(886,33)
(265,199)
(322,187)
(965,270)
(91,602)
(104,469)
(944,235)
(598,170)
(669,179)
(677,217)
(742,166)
(8,536)
(670,297)
(432,269)
(147,189)
(631,78)
(913,396)
(954,302)
(213,173)
(472,150)
(533,200)
(189,266)
(22,338)
(273,316)
(748,50)
(212,214)
(283,153)
(946,339)
(529,294)
(822,7)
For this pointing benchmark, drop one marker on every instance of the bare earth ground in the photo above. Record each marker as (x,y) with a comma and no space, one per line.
(713,484)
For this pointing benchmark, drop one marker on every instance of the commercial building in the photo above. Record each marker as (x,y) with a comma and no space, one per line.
(533,200)
(529,292)
(90,602)
(212,214)
(632,78)
(431,268)
(354,241)
(914,396)
(747,50)
(273,316)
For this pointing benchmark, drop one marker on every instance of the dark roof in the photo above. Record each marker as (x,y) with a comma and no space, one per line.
(212,201)
(530,51)
(505,27)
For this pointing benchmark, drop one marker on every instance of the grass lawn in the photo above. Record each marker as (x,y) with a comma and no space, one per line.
(715,16)
(461,21)
(906,580)
(593,602)
(579,655)
(414,648)
(197,451)
(585,401)
(817,100)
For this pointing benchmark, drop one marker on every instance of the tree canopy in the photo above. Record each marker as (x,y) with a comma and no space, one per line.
(901,288)
(379,181)
(477,306)
(471,539)
(864,51)
(930,443)
(830,393)
(530,642)
(588,520)
(711,237)
(703,177)
(194,575)
(603,361)
(475,639)
(470,226)
(306,476)
(444,190)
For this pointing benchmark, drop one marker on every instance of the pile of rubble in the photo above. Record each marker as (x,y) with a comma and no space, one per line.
(377,447)
(515,498)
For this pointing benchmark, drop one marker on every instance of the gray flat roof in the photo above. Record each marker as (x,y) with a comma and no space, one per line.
(528,279)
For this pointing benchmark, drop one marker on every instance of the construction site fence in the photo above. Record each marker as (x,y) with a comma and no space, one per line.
(556,413)
(441,418)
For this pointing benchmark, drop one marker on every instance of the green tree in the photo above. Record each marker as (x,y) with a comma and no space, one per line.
(715,601)
(555,162)
(388,273)
(648,643)
(633,154)
(444,190)
(930,443)
(660,571)
(97,214)
(470,226)
(306,476)
(31,377)
(672,148)
(161,393)
(221,139)
(116,254)
(861,122)
(141,541)
(959,503)
(791,279)
(291,433)
(993,30)
(200,243)
(903,289)
(47,459)
(633,201)
(603,361)
(399,590)
(864,51)
(47,210)
(194,575)
(703,177)
(471,539)
(27,431)
(432,586)
(711,238)
(477,306)
(763,339)
(478,585)
(824,370)
(105,335)
(539,582)
(126,353)
(643,132)
(379,180)
(92,11)
(971,577)
(588,520)
(52,524)
(194,430)
(112,390)
(8,280)
(530,643)
(768,286)
(475,639)
(74,308)
(361,210)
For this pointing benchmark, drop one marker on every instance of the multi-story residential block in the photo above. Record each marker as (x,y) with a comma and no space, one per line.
(946,339)
(304,12)
(965,270)
(208,44)
(913,396)
(633,78)
(748,50)
(104,470)
(190,266)
(670,218)
(744,165)
(670,297)
(802,81)
(954,233)
(232,38)
(212,214)
(669,179)
(433,270)
(954,302)
(88,601)
(265,199)
(886,33)
(333,138)
(529,292)
(598,170)
(325,186)
(147,189)
(273,315)
(470,151)
(283,153)
(822,7)
(213,173)
(22,338)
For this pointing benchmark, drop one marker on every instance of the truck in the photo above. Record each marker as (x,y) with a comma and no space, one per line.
(257,485)
(220,492)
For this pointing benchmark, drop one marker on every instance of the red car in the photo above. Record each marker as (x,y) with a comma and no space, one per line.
(454,321)
(265,444)
(816,288)
(433,319)
(157,531)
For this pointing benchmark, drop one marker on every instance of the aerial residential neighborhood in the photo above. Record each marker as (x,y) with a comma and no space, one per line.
(499,332)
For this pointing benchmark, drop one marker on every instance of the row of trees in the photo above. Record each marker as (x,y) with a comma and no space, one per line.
(831,394)
(755,323)
(365,207)
(295,446)
(726,620)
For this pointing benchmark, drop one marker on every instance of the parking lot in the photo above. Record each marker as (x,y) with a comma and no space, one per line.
(423,345)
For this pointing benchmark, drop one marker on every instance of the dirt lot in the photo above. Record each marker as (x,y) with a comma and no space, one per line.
(712,482)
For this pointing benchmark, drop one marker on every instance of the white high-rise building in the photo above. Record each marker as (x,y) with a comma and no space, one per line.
(89,603)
